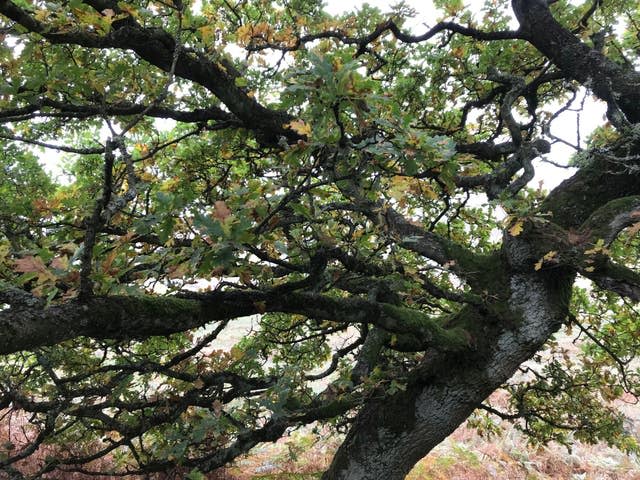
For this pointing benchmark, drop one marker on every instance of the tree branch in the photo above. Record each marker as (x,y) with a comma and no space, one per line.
(611,82)
(613,217)
(157,47)
(613,277)
(70,110)
(121,318)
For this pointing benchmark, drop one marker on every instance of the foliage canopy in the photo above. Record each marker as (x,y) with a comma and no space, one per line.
(363,190)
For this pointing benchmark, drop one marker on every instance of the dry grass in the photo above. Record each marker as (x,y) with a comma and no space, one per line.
(463,456)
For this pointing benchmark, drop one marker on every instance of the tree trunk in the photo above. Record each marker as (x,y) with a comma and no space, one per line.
(391,434)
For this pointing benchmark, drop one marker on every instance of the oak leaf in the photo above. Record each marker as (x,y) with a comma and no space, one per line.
(221,210)
(300,127)
(516,228)
(29,264)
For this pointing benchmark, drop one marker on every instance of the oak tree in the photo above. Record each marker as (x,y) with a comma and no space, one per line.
(362,188)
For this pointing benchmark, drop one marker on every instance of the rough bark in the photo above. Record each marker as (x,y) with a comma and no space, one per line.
(391,434)
(140,317)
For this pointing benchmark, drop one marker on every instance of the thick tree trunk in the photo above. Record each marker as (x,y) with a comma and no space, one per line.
(391,434)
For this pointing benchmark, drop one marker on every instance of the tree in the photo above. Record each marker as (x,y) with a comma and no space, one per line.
(339,177)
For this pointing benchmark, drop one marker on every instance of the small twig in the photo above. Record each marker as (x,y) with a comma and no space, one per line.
(177,50)
(62,148)
(93,224)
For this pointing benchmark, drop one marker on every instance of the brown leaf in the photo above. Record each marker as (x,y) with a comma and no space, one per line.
(245,277)
(106,264)
(199,383)
(29,264)
(576,237)
(68,248)
(60,263)
(221,211)
(633,231)
(177,271)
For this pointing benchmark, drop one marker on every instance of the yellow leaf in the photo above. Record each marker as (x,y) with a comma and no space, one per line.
(548,257)
(236,353)
(42,15)
(247,32)
(300,127)
(589,269)
(207,33)
(243,34)
(142,148)
(113,435)
(130,9)
(398,187)
(60,263)
(428,192)
(516,229)
(4,251)
(458,52)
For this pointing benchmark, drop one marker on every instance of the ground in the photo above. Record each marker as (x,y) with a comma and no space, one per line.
(463,456)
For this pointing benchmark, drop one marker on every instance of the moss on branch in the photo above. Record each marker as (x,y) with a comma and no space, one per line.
(431,331)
